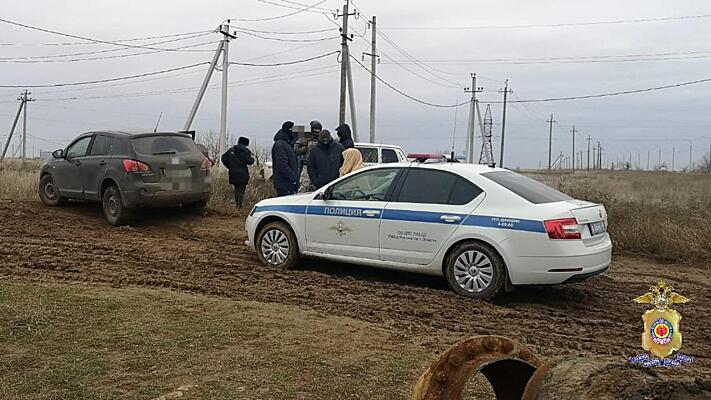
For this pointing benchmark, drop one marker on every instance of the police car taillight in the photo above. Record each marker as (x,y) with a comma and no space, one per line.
(565,228)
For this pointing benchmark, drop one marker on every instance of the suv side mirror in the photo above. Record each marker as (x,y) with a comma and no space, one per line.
(58,153)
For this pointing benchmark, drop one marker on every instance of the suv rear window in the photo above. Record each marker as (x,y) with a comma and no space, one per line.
(163,144)
(530,189)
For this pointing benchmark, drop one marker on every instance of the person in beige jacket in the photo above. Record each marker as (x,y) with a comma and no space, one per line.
(352,161)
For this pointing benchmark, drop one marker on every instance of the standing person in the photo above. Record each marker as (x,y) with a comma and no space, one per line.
(352,161)
(303,149)
(285,169)
(344,136)
(325,160)
(236,159)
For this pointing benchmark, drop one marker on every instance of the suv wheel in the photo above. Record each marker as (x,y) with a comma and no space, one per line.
(277,246)
(475,270)
(114,210)
(49,192)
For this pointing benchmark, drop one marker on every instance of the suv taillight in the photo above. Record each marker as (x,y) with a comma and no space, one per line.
(135,166)
(565,228)
(206,164)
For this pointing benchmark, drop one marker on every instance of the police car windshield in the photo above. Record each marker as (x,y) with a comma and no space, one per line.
(530,189)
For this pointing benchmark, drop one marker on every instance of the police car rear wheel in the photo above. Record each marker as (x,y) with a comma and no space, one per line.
(475,270)
(277,245)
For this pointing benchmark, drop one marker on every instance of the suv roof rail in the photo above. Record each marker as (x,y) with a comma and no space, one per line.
(191,133)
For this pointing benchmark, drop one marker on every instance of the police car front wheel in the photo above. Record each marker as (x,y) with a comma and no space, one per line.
(277,245)
(475,270)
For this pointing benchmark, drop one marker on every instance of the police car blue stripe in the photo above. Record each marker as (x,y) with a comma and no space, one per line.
(419,216)
(515,224)
(282,208)
(486,221)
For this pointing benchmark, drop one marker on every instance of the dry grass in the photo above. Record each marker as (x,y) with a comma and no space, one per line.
(69,342)
(664,214)
(19,182)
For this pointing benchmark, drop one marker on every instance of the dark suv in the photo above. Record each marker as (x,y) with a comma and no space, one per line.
(124,171)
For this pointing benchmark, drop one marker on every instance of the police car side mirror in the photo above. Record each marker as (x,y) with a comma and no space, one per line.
(320,196)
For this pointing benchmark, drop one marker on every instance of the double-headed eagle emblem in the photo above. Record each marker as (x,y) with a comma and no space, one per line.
(661,335)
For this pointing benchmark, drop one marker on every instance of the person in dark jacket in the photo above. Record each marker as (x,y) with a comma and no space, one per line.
(284,167)
(325,160)
(236,159)
(345,137)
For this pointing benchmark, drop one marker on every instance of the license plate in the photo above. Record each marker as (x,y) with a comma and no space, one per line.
(178,173)
(597,228)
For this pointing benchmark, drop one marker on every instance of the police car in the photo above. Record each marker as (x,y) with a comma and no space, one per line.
(484,229)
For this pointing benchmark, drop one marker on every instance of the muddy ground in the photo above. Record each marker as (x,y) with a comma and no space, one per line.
(204,253)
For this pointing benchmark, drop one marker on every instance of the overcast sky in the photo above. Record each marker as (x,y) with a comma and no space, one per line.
(261,98)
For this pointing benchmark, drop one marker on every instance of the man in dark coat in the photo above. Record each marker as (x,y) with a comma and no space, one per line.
(345,137)
(236,159)
(325,160)
(285,169)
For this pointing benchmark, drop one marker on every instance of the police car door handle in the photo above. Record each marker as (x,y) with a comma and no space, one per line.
(450,218)
(371,213)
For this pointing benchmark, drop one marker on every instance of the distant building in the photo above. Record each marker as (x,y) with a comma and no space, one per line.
(45,155)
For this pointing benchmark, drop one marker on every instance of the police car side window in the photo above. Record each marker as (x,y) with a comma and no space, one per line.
(427,186)
(366,186)
(464,192)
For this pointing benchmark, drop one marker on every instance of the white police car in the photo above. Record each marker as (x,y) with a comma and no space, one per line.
(481,228)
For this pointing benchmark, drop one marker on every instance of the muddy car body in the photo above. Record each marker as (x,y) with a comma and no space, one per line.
(481,228)
(124,171)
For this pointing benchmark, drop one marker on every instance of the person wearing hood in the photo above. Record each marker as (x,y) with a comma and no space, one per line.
(352,161)
(236,159)
(325,160)
(285,169)
(344,136)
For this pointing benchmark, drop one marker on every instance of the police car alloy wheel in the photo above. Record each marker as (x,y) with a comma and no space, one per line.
(475,270)
(277,246)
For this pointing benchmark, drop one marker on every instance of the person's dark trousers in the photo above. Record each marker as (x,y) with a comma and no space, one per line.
(239,194)
(280,194)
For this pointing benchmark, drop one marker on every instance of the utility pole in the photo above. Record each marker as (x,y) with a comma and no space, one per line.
(647,160)
(660,157)
(691,166)
(222,49)
(589,152)
(373,56)
(673,156)
(25,98)
(505,91)
(472,111)
(14,124)
(550,140)
(639,164)
(573,132)
(345,63)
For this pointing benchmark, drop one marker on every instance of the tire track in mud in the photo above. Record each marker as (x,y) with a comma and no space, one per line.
(205,254)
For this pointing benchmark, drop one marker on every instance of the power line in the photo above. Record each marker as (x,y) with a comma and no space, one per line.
(299,11)
(104,57)
(287,32)
(117,40)
(105,80)
(427,103)
(566,24)
(3,59)
(282,63)
(572,60)
(278,39)
(300,6)
(592,96)
(81,37)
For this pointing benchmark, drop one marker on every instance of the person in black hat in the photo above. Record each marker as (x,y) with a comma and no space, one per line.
(325,160)
(285,171)
(236,159)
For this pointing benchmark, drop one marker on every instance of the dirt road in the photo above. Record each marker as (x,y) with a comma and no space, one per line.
(206,254)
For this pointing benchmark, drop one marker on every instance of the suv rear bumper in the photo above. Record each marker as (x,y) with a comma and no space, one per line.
(152,195)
